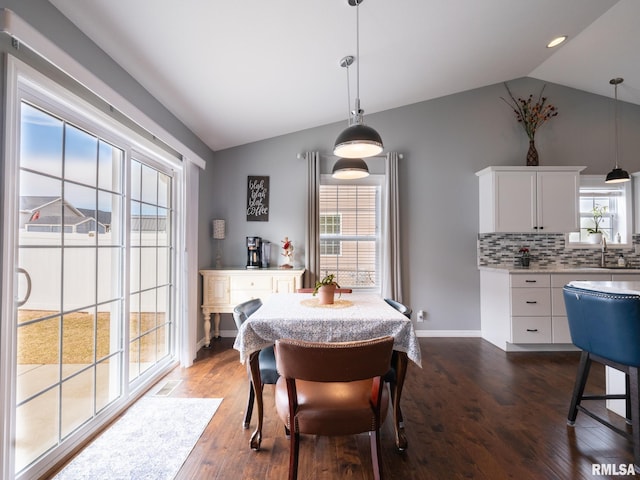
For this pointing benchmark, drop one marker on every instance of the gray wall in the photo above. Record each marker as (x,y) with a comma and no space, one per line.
(444,142)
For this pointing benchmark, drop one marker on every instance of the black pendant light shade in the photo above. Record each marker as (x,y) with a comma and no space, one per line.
(358,141)
(350,169)
(617,175)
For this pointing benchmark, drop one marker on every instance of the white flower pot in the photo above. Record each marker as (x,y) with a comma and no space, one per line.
(595,237)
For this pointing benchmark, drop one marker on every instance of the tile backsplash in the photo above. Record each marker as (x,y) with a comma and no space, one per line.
(547,250)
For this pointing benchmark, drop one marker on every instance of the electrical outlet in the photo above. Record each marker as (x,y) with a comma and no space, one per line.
(421,315)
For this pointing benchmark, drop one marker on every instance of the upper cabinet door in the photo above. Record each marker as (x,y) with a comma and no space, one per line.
(558,202)
(515,201)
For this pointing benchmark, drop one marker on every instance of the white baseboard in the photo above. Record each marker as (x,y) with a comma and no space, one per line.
(448,333)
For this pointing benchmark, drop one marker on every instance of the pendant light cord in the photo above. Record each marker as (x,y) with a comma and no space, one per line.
(348,95)
(357,55)
(615,120)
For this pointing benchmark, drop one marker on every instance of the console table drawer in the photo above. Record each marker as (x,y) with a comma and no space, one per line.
(252,282)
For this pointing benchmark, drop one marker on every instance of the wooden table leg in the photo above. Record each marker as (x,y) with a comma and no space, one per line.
(402,362)
(206,314)
(256,380)
(216,325)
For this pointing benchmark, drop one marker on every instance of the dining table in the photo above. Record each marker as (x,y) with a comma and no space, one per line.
(352,317)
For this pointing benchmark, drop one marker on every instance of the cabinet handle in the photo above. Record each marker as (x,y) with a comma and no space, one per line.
(532,329)
(531,301)
(530,281)
(541,228)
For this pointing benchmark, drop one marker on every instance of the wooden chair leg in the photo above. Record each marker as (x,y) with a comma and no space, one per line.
(249,412)
(627,400)
(634,394)
(376,454)
(578,389)
(293,455)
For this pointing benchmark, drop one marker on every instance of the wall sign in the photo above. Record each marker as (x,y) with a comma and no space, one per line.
(257,199)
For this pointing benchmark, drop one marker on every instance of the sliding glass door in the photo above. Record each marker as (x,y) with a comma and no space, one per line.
(94,265)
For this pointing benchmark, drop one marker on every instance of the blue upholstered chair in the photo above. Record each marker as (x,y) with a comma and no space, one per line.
(391,376)
(268,372)
(607,329)
(403,309)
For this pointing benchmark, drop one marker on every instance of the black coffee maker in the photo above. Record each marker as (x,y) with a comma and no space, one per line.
(254,250)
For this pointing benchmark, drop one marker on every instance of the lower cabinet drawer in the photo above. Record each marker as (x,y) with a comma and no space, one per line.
(531,329)
(530,302)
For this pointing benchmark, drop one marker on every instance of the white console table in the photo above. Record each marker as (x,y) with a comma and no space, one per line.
(223,289)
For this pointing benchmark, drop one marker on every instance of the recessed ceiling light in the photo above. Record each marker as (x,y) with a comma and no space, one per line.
(556,41)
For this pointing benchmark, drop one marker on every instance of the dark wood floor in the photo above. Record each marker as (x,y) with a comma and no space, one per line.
(472,411)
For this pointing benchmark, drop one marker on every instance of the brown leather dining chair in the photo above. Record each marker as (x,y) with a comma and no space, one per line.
(268,373)
(333,389)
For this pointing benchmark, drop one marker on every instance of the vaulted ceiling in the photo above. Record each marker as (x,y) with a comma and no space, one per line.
(242,71)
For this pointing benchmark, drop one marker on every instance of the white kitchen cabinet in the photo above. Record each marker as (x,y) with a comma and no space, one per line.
(223,289)
(525,310)
(529,199)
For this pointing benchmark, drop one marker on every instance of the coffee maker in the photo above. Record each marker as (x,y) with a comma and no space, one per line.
(254,250)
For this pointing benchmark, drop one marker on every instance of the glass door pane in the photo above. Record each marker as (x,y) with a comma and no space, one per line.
(70,260)
(150,279)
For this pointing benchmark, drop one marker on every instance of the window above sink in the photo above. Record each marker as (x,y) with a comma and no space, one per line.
(616,221)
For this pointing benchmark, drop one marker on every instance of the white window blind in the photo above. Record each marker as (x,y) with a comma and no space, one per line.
(349,233)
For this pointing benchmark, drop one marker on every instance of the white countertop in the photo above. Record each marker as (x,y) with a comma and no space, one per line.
(556,269)
(625,288)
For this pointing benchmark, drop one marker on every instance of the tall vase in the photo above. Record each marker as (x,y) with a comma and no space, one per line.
(532,155)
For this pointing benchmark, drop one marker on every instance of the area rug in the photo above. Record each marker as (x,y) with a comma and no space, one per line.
(151,441)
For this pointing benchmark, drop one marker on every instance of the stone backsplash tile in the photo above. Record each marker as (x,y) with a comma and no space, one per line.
(547,250)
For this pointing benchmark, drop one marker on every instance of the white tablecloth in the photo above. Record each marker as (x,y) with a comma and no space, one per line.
(288,315)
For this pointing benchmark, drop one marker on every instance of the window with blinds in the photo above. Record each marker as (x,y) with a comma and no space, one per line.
(349,233)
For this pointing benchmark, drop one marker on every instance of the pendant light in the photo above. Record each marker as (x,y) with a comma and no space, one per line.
(357,140)
(617,175)
(349,168)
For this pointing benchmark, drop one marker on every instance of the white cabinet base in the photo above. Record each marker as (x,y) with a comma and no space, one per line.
(615,385)
(223,289)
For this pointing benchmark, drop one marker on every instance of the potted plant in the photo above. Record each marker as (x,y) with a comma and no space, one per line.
(326,289)
(595,233)
(525,256)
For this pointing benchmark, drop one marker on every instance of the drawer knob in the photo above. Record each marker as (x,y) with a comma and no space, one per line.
(532,329)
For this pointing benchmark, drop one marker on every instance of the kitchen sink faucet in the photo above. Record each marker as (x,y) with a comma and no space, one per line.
(603,250)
